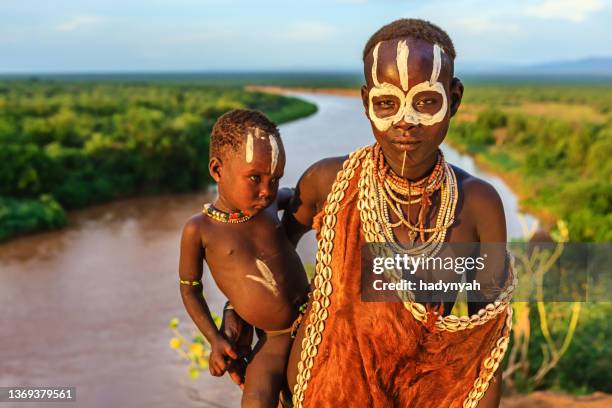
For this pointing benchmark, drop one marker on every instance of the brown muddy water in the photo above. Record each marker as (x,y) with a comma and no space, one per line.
(88,306)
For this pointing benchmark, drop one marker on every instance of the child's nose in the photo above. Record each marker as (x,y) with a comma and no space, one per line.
(264,192)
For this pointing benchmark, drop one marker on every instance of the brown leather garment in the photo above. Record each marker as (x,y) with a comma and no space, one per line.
(376,354)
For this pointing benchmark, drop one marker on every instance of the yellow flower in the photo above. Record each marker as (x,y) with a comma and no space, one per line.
(175,343)
(217,320)
(561,233)
(174,323)
(196,349)
(194,372)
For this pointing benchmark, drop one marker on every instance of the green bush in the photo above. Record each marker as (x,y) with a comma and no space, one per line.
(87,143)
(585,367)
(27,215)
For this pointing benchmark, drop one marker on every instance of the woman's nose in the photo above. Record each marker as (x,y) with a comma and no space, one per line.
(405,123)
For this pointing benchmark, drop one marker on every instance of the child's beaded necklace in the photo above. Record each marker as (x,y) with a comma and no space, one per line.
(222,216)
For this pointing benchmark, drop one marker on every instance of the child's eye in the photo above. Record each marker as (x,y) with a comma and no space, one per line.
(255,179)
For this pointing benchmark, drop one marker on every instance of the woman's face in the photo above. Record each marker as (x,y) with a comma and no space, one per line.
(409,98)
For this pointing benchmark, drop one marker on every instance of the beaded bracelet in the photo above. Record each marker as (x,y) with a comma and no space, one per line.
(190,283)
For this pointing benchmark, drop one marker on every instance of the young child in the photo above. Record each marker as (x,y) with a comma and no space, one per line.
(251,260)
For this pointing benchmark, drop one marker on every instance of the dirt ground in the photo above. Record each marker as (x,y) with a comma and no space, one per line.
(547,399)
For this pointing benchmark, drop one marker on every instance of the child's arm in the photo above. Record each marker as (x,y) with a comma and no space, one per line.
(190,275)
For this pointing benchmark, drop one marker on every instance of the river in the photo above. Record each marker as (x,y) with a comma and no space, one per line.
(88,306)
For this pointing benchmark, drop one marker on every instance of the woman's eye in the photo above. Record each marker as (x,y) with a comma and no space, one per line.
(254,179)
(385,104)
(425,102)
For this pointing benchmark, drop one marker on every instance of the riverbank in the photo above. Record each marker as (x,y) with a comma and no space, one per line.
(287,90)
(545,218)
(548,399)
(551,144)
(67,145)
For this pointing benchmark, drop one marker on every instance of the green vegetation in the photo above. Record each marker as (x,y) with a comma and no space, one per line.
(195,350)
(585,367)
(557,160)
(66,145)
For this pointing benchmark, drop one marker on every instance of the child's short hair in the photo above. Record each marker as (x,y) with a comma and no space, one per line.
(231,128)
(415,28)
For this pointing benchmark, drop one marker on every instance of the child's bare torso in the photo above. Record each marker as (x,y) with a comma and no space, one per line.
(257,268)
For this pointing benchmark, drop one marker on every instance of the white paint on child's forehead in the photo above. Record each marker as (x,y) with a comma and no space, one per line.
(260,134)
(401,61)
(273,152)
(249,148)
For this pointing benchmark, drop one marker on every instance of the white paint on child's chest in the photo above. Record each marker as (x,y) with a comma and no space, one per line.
(406,110)
(266,278)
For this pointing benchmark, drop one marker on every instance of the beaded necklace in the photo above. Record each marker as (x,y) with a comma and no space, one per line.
(222,216)
(390,191)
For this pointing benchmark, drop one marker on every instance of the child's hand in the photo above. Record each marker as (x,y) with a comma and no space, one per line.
(220,354)
(240,334)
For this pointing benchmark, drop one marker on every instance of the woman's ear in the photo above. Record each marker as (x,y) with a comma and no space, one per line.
(214,168)
(456,94)
(365,99)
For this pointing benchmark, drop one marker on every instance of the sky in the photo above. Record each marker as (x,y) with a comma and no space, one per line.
(304,35)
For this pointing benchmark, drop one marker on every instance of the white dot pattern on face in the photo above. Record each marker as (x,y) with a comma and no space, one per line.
(406,111)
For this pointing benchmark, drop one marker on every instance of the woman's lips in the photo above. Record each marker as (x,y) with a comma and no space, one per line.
(407,145)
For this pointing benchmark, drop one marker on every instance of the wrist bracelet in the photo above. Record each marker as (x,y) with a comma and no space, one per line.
(190,283)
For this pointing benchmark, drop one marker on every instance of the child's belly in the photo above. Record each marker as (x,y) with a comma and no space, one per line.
(265,288)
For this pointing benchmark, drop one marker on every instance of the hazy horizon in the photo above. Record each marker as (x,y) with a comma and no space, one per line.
(315,35)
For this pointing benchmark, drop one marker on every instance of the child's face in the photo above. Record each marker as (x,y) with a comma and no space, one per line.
(409,97)
(248,178)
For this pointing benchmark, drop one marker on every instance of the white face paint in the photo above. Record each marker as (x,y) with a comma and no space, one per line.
(249,148)
(406,111)
(266,278)
(274,152)
(260,135)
